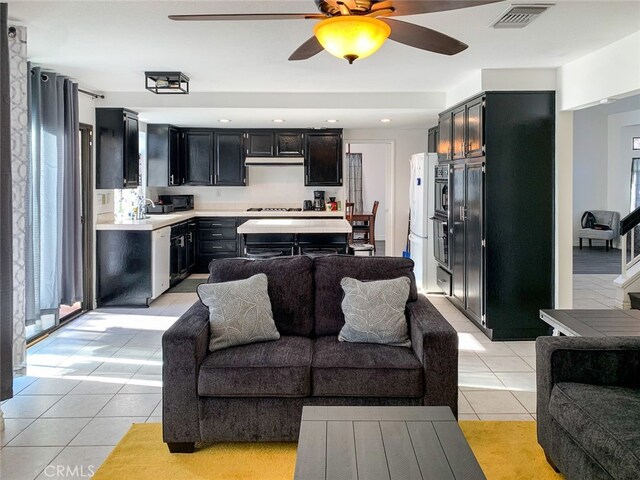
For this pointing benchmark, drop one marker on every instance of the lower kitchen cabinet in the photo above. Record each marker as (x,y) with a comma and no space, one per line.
(217,238)
(124,268)
(182,251)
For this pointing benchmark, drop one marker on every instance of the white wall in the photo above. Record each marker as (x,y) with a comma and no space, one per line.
(609,72)
(622,127)
(406,143)
(374,158)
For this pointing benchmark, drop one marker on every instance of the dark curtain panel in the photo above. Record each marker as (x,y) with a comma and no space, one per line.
(53,254)
(354,188)
(6,222)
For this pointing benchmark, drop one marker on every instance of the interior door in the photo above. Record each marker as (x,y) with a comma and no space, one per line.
(474,254)
(457,254)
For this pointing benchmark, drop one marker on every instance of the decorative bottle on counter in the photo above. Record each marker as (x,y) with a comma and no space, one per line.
(332,204)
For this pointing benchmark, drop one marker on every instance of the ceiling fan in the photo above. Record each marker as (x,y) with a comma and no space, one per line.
(353,29)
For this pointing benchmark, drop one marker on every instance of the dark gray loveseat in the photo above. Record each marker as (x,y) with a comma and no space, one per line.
(256,392)
(589,406)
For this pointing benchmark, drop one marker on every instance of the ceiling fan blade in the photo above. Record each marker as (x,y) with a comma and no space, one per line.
(423,38)
(307,50)
(247,16)
(416,7)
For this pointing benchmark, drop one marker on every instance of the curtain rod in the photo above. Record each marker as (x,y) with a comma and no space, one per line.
(91,94)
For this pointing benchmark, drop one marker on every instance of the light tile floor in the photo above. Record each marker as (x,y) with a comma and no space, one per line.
(89,381)
(593,291)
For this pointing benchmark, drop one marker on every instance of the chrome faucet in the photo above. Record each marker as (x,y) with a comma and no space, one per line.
(142,209)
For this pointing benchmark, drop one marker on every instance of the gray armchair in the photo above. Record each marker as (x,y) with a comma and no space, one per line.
(588,405)
(603,217)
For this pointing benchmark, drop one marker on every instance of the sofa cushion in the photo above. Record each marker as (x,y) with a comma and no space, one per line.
(374,311)
(268,369)
(239,312)
(341,369)
(329,271)
(604,420)
(290,288)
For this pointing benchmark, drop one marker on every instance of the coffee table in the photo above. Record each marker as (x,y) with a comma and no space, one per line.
(383,443)
(593,323)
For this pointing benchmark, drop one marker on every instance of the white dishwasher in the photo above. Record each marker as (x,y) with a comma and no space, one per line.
(160,258)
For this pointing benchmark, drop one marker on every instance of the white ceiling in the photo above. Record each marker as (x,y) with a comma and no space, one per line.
(107,46)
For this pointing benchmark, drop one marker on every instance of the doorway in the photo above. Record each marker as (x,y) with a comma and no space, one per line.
(377,185)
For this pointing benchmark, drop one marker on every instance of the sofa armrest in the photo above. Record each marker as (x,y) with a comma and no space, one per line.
(435,342)
(184,347)
(596,361)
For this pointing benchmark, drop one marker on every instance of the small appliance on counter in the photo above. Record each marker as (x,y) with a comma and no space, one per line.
(332,205)
(180,203)
(318,200)
(307,205)
(159,208)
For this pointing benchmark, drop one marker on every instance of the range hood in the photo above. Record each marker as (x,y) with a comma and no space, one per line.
(273,161)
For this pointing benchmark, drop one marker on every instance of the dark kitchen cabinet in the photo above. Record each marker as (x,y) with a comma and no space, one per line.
(468,235)
(323,161)
(117,148)
(229,158)
(191,245)
(164,159)
(501,215)
(458,133)
(198,156)
(444,137)
(289,144)
(259,144)
(432,140)
(217,238)
(182,255)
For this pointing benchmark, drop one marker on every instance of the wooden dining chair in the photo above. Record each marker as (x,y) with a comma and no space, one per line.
(367,228)
(355,244)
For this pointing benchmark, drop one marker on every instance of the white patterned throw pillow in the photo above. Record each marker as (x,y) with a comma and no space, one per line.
(239,312)
(374,311)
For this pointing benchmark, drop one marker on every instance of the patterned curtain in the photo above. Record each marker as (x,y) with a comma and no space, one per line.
(354,188)
(19,165)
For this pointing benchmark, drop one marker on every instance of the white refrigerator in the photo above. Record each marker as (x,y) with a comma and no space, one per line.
(421,204)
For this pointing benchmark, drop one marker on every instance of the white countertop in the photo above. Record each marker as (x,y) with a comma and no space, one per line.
(295,225)
(155,222)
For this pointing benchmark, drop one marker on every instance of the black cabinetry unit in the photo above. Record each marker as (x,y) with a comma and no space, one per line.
(117,152)
(217,238)
(229,158)
(432,140)
(444,136)
(501,212)
(182,251)
(275,143)
(123,268)
(260,143)
(289,143)
(191,237)
(164,160)
(198,156)
(323,161)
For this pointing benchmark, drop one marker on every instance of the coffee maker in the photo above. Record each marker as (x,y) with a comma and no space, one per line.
(318,200)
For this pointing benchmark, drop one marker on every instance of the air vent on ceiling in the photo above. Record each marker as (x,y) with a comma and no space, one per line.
(519,16)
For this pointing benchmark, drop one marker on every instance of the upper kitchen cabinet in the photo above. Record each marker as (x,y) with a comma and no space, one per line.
(198,156)
(274,143)
(229,158)
(117,152)
(432,140)
(323,160)
(465,124)
(289,144)
(163,156)
(259,143)
(444,137)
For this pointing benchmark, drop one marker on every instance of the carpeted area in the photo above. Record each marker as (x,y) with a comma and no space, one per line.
(188,285)
(505,450)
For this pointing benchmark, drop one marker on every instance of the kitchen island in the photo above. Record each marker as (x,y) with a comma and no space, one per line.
(293,236)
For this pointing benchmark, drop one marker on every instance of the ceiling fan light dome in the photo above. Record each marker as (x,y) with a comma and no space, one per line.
(351,36)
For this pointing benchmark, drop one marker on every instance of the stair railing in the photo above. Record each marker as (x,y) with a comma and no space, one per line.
(627,226)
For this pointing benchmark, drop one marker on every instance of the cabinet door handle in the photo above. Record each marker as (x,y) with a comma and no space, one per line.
(211,178)
(171,179)
(214,247)
(216,234)
(215,224)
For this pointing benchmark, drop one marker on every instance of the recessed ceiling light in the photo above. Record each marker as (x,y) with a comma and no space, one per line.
(224,120)
(278,120)
(332,120)
(385,120)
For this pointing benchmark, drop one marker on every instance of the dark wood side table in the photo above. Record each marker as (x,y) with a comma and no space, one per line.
(593,323)
(383,443)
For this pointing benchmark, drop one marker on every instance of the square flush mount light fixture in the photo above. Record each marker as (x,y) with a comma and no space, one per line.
(167,82)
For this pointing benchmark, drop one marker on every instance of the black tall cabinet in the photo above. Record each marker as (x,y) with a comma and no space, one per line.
(501,154)
(117,152)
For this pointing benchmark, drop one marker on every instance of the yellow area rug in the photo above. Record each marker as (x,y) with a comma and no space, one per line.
(505,450)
